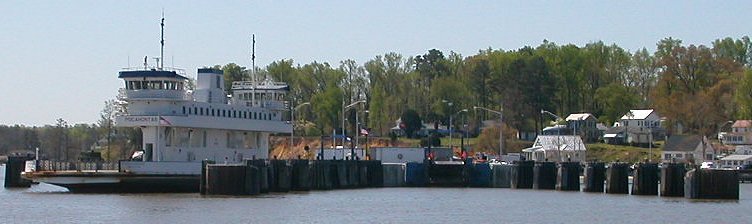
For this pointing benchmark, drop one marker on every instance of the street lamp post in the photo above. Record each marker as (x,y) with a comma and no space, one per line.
(344,109)
(450,103)
(558,131)
(366,126)
(451,128)
(501,127)
(292,122)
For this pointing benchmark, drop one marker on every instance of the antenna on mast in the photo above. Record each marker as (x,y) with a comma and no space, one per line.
(253,68)
(161,52)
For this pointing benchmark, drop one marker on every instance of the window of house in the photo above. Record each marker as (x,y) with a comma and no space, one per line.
(667,156)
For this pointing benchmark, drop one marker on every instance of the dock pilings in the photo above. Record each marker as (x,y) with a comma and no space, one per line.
(255,177)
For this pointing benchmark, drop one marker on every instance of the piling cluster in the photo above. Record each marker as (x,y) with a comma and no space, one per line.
(614,178)
(261,176)
(13,169)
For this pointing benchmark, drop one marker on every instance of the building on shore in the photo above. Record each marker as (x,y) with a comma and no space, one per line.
(556,148)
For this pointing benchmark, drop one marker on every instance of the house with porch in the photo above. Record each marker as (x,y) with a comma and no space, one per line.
(687,148)
(556,148)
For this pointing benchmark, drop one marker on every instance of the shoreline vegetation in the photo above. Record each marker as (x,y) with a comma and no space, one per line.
(696,87)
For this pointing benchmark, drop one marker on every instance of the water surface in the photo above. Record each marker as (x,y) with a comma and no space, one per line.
(45,203)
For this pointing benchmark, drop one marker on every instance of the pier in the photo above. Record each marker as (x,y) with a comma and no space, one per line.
(260,176)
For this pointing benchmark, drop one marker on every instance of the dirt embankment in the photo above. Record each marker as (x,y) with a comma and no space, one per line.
(280,146)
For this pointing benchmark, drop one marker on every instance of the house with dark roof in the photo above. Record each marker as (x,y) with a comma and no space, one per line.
(687,148)
(584,125)
(628,135)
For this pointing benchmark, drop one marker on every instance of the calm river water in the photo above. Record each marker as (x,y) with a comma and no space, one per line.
(50,204)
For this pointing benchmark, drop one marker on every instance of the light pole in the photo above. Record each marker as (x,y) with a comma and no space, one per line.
(501,126)
(650,144)
(450,126)
(292,122)
(344,109)
(558,132)
(367,133)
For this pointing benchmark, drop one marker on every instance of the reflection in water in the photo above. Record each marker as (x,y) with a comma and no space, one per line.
(50,204)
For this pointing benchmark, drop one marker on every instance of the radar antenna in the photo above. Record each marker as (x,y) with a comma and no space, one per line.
(161,52)
(253,69)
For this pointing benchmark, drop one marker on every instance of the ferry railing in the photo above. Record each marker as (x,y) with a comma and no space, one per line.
(153,94)
(52,165)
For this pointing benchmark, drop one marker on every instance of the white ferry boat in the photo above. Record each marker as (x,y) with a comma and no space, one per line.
(181,127)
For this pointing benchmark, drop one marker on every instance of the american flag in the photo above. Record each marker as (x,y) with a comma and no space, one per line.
(163,121)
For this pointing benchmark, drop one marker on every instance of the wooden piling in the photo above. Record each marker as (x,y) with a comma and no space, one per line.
(375,173)
(711,184)
(202,180)
(645,179)
(617,178)
(394,175)
(522,174)
(282,176)
(480,175)
(672,179)
(301,175)
(502,175)
(544,176)
(594,177)
(321,175)
(568,176)
(252,179)
(223,179)
(13,169)
(353,179)
(362,173)
(416,174)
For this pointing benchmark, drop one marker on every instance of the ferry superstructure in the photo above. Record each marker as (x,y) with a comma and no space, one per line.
(181,127)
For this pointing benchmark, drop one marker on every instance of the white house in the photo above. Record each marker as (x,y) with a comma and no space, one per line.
(556,148)
(735,161)
(641,118)
(687,148)
(741,133)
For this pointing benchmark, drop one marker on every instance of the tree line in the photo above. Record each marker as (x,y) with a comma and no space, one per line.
(70,142)
(697,86)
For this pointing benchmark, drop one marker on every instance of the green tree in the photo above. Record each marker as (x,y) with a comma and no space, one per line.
(743,96)
(616,100)
(105,126)
(739,51)
(327,106)
(232,73)
(411,122)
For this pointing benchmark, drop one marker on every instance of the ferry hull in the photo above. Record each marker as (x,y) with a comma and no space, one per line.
(118,182)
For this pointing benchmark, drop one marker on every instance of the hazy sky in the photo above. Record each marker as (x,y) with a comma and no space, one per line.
(59,59)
